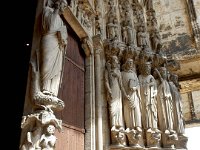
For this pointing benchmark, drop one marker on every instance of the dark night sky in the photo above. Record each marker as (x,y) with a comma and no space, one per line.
(17,20)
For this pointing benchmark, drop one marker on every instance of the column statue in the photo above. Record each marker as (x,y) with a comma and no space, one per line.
(113,84)
(165,109)
(179,124)
(148,90)
(131,105)
(53,44)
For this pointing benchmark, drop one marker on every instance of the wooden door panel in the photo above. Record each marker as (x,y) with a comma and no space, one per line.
(70,139)
(72,93)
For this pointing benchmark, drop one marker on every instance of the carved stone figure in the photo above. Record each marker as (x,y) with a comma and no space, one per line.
(142,39)
(177,101)
(156,40)
(113,84)
(34,126)
(112,29)
(73,6)
(165,110)
(165,101)
(148,90)
(132,104)
(48,139)
(53,43)
(127,30)
(179,124)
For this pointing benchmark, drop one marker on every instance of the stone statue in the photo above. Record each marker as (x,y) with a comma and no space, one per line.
(48,139)
(53,44)
(112,29)
(156,40)
(142,39)
(177,101)
(38,130)
(132,104)
(127,30)
(165,110)
(179,124)
(148,90)
(113,84)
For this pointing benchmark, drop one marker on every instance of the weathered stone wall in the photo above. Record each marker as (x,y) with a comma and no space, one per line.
(174,25)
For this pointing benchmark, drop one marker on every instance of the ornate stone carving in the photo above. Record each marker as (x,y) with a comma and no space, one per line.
(179,124)
(38,129)
(148,102)
(142,38)
(132,103)
(114,88)
(84,13)
(128,36)
(134,137)
(148,91)
(87,46)
(46,75)
(155,40)
(165,109)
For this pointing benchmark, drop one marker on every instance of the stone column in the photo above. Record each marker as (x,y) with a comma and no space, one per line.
(98,47)
(90,140)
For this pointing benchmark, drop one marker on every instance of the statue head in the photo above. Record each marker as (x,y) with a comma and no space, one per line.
(146,68)
(129,64)
(114,62)
(163,72)
(50,129)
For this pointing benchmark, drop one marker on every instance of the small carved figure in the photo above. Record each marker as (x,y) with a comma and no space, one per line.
(156,40)
(127,30)
(142,37)
(48,139)
(112,29)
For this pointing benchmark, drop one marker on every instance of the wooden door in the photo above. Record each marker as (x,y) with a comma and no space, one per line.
(72,93)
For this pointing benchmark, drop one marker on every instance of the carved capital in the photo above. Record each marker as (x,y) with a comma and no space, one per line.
(87,46)
(97,44)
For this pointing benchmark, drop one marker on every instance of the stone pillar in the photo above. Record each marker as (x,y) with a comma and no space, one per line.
(98,47)
(90,135)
